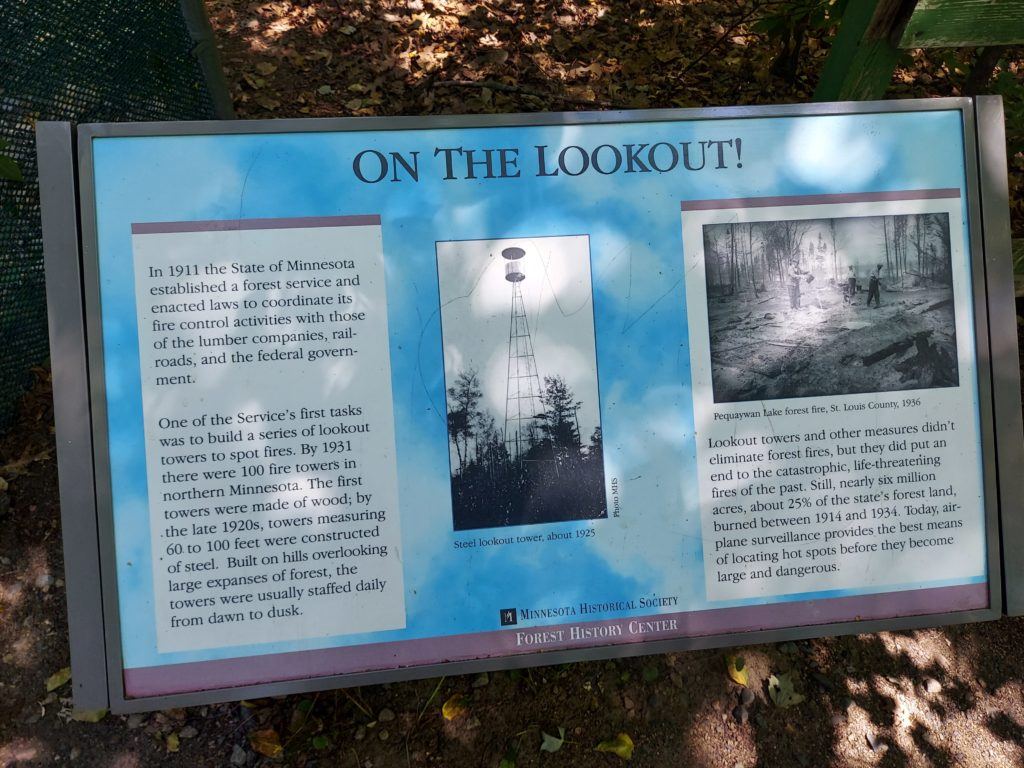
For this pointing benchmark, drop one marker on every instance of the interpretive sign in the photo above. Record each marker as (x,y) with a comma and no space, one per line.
(375,399)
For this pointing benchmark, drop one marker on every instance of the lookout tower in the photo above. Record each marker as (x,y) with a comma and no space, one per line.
(522,393)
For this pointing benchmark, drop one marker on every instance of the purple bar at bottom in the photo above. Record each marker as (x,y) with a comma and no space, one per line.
(252,670)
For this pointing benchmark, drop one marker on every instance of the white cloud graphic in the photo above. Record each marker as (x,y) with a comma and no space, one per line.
(833,153)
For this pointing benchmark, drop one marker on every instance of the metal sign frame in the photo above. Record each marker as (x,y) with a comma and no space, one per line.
(73,296)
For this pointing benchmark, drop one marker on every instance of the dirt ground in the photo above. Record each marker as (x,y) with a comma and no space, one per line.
(762,349)
(939,697)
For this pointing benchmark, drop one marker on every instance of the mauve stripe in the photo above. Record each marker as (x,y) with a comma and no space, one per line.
(845,197)
(251,670)
(231,225)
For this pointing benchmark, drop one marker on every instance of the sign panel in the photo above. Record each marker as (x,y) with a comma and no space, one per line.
(832,453)
(269,432)
(376,397)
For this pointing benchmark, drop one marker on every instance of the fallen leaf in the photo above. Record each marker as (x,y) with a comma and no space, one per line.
(173,743)
(266,742)
(252,80)
(57,679)
(780,689)
(621,745)
(89,715)
(348,29)
(267,103)
(737,669)
(266,68)
(454,707)
(324,90)
(300,716)
(552,743)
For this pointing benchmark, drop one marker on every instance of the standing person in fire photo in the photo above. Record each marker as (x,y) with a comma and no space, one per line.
(794,284)
(874,286)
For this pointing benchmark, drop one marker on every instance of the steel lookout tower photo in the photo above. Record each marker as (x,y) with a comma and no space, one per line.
(523,390)
(524,433)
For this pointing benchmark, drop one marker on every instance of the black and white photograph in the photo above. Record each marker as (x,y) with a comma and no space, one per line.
(846,305)
(520,365)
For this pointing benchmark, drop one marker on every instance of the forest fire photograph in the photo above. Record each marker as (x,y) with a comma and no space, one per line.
(846,305)
(523,416)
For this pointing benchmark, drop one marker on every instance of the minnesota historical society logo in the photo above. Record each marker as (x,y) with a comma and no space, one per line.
(508,617)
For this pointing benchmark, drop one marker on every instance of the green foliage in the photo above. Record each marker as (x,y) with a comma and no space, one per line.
(788,25)
(8,167)
(811,15)
(508,760)
(1011,87)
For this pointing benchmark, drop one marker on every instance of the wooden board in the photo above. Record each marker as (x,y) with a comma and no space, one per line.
(860,65)
(964,24)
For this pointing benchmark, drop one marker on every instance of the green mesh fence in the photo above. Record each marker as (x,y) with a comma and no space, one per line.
(80,61)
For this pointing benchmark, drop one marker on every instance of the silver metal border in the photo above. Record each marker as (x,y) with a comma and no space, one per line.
(1003,341)
(438,122)
(98,400)
(71,412)
(983,357)
(118,702)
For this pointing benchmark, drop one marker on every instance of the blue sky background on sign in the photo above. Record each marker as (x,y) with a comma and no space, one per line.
(633,221)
